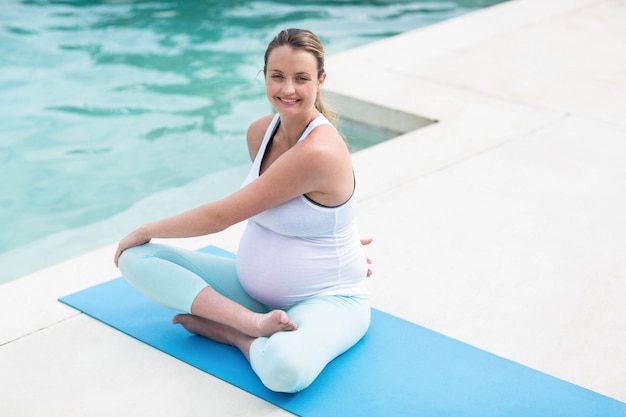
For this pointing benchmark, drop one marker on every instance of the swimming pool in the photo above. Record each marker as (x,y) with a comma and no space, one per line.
(108,108)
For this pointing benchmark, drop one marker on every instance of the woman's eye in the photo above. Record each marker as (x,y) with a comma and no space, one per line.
(277,76)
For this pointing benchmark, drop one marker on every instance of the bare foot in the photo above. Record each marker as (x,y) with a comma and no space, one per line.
(273,322)
(207,328)
(215,331)
(213,306)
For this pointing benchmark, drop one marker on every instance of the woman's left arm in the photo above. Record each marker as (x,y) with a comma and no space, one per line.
(366,242)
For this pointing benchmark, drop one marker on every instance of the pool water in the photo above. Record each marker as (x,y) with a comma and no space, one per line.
(110,109)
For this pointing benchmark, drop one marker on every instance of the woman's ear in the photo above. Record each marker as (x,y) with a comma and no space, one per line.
(321,80)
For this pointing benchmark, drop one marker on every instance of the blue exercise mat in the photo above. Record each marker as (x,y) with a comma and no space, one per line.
(397,369)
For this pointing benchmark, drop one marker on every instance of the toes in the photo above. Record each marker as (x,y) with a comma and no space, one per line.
(273,322)
(284,322)
(179,318)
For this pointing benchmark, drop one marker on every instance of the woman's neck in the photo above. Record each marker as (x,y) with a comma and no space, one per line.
(291,128)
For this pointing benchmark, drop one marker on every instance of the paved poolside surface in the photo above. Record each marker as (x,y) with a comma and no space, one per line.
(503,225)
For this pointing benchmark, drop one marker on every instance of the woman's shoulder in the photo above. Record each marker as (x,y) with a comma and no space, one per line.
(325,138)
(256,132)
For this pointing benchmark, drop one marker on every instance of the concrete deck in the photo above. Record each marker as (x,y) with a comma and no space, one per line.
(502,225)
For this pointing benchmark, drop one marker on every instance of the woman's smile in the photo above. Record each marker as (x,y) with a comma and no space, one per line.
(288,101)
(291,79)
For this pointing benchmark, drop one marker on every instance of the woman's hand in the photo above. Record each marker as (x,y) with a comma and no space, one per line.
(137,238)
(366,242)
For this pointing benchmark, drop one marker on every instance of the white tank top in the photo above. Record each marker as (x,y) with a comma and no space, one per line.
(300,249)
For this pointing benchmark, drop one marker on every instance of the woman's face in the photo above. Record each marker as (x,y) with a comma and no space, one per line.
(291,80)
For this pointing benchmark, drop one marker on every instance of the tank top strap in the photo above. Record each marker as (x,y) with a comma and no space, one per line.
(269,134)
(318,121)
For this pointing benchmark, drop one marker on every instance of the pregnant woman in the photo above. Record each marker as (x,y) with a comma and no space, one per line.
(294,298)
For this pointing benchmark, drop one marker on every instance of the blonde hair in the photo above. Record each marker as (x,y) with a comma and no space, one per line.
(309,42)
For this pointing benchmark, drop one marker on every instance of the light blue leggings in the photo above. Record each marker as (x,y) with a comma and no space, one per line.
(285,361)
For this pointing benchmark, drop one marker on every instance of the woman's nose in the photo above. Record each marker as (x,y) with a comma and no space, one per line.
(288,87)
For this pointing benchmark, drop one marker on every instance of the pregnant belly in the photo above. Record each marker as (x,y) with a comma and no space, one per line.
(281,277)
(280,270)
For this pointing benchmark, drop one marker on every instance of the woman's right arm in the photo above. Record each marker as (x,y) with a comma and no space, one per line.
(199,221)
(305,168)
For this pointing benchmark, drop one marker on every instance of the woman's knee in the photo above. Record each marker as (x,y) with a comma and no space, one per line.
(138,261)
(127,260)
(130,255)
(290,361)
(283,370)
